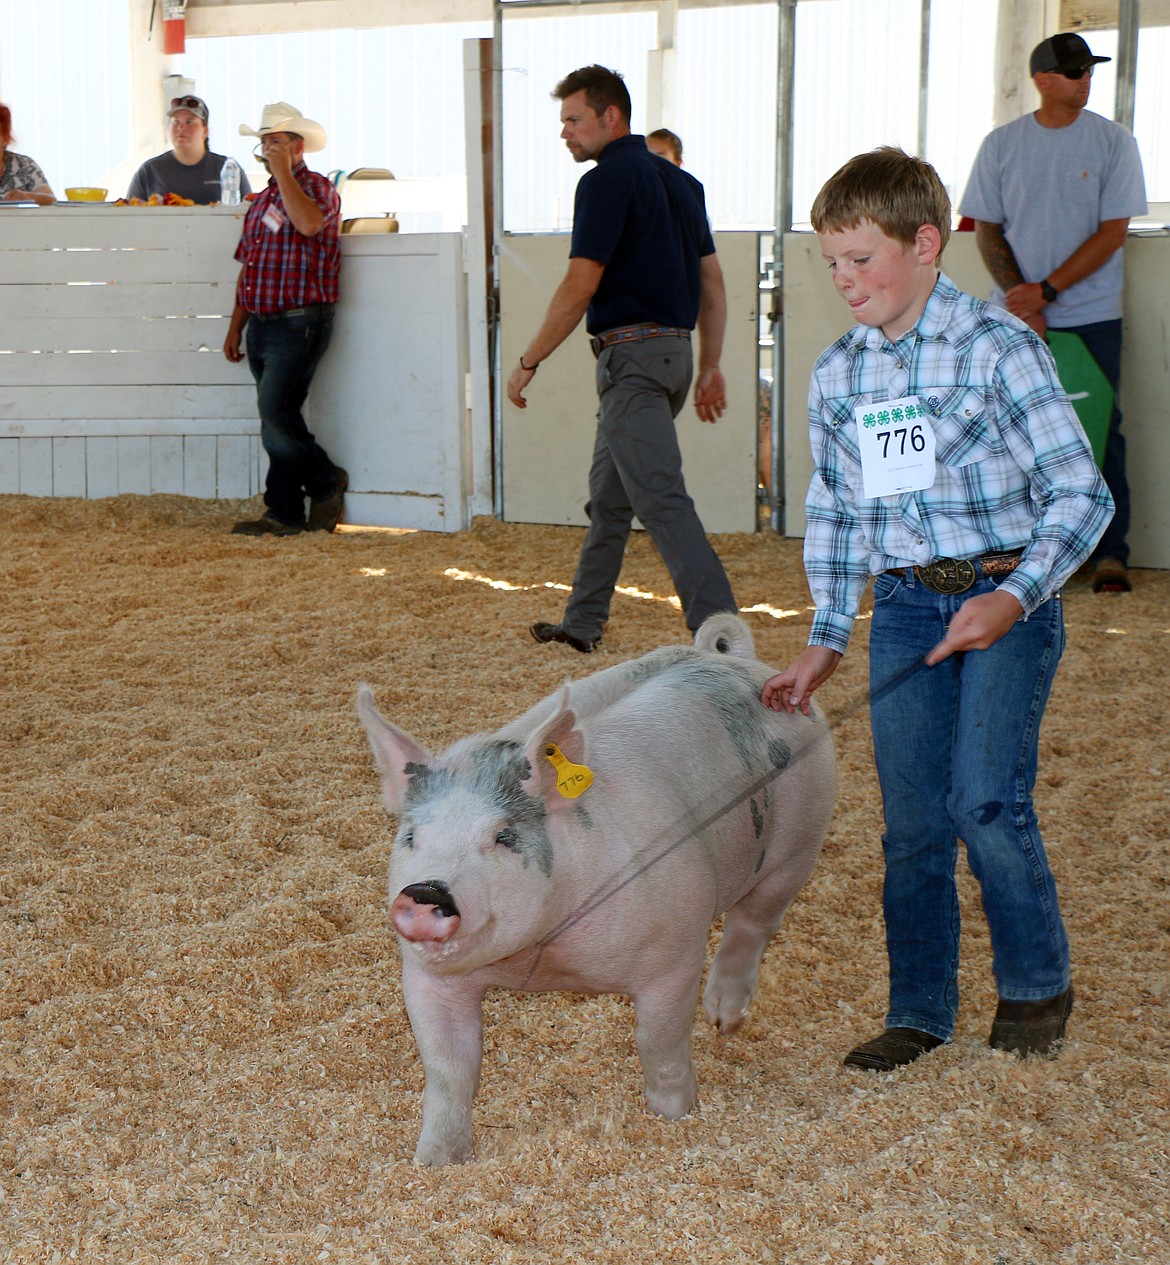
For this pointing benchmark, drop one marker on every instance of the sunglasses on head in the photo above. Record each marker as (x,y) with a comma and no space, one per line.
(187,103)
(1078,72)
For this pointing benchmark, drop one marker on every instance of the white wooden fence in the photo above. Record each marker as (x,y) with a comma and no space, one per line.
(113,378)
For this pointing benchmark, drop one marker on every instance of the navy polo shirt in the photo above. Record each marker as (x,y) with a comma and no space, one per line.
(646,220)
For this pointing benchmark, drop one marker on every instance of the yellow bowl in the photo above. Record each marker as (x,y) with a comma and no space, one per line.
(86,194)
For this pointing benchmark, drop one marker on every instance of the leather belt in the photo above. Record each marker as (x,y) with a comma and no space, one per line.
(957,575)
(633,334)
(310,309)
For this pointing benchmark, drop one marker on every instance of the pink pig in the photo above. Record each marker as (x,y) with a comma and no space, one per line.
(588,846)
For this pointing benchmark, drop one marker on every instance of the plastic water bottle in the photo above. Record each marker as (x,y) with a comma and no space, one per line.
(229,183)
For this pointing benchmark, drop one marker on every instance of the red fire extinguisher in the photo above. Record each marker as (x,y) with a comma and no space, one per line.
(174,27)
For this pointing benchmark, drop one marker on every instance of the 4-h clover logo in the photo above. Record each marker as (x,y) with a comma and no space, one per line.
(894,415)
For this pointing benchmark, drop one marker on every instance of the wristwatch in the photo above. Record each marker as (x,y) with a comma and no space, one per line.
(1049,291)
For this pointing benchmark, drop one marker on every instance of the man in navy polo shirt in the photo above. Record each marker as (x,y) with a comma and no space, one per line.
(643,271)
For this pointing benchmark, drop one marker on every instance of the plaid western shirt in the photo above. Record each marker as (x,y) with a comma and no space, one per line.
(1013,468)
(282,267)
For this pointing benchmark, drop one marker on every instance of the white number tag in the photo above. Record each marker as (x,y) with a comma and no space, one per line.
(896,441)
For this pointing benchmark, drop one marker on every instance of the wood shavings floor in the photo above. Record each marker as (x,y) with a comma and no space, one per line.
(203,1050)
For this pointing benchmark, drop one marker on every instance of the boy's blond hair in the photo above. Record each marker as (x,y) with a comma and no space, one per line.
(890,188)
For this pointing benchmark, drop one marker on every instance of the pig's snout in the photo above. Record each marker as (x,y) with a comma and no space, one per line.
(425,911)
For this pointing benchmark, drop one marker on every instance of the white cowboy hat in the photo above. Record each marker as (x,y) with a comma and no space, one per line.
(279,116)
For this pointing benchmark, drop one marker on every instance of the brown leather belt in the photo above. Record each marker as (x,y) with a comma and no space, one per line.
(633,334)
(957,575)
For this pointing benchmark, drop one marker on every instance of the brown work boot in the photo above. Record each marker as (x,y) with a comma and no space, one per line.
(1110,576)
(894,1048)
(325,511)
(267,526)
(1031,1027)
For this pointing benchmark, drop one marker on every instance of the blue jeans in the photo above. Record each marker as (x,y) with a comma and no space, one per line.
(637,470)
(1103,339)
(283,354)
(955,747)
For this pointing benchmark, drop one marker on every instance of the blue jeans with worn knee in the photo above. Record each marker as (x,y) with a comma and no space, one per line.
(956,751)
(283,354)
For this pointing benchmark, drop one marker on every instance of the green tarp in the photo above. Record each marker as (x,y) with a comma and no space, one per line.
(1085,385)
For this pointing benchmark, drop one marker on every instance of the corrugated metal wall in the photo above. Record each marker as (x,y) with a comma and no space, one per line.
(388,98)
(64,73)
(394,97)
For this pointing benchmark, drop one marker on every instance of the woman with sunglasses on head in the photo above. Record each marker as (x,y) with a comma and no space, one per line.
(21,180)
(189,168)
(1051,195)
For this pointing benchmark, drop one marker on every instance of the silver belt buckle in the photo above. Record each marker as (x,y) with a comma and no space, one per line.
(947,575)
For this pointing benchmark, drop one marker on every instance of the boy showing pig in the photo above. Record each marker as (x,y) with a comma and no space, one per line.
(949,465)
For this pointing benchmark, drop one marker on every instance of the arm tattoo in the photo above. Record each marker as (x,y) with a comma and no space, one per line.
(997,255)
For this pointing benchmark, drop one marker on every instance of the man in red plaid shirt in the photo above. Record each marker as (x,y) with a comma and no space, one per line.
(290,254)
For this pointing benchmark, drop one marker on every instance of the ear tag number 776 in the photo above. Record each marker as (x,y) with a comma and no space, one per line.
(572,778)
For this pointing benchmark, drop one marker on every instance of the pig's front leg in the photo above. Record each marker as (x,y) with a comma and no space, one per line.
(446,1016)
(666,1012)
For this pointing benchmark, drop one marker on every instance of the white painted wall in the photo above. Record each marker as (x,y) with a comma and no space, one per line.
(389,401)
(548,446)
(815,317)
(112,377)
(392,96)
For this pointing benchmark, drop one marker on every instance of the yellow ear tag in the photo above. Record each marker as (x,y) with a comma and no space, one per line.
(572,778)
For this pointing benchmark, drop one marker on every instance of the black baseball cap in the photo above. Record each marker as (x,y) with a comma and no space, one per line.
(1065,51)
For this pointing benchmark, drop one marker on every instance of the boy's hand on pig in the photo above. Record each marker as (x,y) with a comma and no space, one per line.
(793,688)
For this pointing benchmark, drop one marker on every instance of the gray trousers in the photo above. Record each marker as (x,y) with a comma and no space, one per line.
(637,470)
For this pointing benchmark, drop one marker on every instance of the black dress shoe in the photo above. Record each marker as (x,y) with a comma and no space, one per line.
(1031,1027)
(555,632)
(894,1048)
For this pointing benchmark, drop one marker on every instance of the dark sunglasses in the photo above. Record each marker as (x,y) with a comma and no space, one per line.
(189,103)
(1078,73)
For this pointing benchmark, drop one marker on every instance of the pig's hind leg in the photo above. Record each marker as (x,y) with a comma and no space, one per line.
(747,929)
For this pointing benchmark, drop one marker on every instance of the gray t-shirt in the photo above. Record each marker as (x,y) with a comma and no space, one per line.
(199,182)
(1050,188)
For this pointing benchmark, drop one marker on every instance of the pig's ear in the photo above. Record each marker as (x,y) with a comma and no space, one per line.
(394,749)
(559,731)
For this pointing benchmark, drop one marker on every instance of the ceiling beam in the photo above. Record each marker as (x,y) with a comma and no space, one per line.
(210,18)
(207,18)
